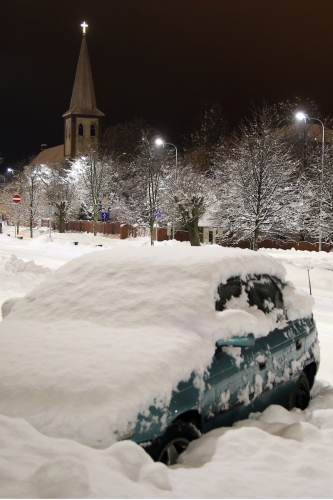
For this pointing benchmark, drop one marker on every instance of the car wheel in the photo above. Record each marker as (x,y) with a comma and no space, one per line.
(310,372)
(176,439)
(300,395)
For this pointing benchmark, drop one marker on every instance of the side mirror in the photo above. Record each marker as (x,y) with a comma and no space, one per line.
(247,341)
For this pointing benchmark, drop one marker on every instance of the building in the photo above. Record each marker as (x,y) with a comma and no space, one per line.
(83,121)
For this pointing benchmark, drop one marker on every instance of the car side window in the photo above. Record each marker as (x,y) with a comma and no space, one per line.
(233,288)
(264,293)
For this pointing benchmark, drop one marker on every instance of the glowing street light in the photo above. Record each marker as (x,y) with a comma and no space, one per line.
(301,116)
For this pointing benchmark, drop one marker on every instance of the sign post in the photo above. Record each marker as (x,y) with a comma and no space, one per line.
(16,201)
(104,212)
(50,212)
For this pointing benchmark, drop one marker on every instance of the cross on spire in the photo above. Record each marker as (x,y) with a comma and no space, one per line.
(84,26)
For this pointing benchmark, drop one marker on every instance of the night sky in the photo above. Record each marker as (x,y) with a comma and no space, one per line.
(157,59)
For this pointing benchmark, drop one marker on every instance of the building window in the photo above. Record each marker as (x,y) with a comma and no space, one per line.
(80,129)
(92,131)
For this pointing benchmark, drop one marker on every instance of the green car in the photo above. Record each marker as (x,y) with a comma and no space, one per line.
(156,345)
(247,374)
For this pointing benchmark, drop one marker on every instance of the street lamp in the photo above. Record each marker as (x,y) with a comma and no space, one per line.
(8,169)
(160,142)
(303,117)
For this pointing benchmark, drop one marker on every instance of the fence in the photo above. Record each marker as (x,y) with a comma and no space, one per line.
(86,226)
(288,245)
(127,231)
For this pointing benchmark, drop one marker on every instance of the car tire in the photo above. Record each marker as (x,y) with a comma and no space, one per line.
(174,441)
(300,395)
(311,371)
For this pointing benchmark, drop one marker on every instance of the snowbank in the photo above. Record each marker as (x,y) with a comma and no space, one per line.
(276,454)
(12,265)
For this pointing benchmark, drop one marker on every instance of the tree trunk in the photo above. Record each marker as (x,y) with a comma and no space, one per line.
(95,221)
(31,220)
(151,228)
(193,232)
(62,217)
(255,239)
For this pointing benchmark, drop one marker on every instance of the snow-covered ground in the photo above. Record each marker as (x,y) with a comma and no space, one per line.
(274,454)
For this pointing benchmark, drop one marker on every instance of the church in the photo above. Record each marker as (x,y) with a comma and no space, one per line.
(83,121)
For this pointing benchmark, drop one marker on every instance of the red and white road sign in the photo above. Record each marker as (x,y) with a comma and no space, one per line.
(16,198)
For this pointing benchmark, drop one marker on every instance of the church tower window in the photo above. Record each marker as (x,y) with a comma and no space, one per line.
(92,131)
(80,129)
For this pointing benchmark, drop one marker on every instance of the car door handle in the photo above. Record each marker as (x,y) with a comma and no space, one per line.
(298,345)
(262,364)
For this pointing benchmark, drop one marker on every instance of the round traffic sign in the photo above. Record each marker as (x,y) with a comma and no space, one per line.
(16,198)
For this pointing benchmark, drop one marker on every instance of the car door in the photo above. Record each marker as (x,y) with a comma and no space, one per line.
(271,355)
(244,376)
(229,374)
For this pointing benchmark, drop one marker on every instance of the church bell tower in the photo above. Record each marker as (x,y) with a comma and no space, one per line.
(83,121)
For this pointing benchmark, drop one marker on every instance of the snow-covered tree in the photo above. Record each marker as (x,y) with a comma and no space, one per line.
(143,184)
(320,189)
(122,141)
(94,175)
(191,193)
(59,191)
(208,129)
(257,181)
(29,186)
(327,194)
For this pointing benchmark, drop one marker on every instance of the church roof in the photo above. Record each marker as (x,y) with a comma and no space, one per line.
(83,100)
(49,155)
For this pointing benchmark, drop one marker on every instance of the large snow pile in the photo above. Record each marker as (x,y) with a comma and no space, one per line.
(276,454)
(12,265)
(109,332)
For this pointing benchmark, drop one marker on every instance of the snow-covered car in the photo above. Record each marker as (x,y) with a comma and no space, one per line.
(156,345)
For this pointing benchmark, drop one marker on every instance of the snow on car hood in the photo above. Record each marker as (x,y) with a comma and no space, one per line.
(111,332)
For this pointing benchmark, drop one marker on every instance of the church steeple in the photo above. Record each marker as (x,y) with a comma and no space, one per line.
(83,127)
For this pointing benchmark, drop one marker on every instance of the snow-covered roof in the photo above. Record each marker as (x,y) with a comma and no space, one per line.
(49,155)
(108,332)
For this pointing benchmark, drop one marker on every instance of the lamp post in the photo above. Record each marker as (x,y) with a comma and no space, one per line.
(9,170)
(303,117)
(160,142)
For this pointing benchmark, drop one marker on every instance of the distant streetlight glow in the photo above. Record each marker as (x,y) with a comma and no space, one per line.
(303,116)
(159,142)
